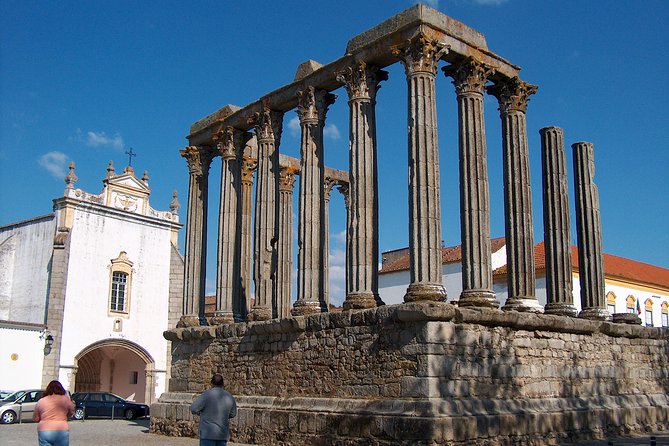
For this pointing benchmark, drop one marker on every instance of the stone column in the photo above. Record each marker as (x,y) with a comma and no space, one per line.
(345,190)
(311,109)
(231,144)
(420,57)
(268,126)
(589,231)
(469,78)
(199,160)
(361,82)
(329,184)
(243,304)
(556,223)
(281,307)
(513,95)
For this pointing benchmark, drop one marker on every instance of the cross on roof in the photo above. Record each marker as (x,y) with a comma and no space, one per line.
(130,155)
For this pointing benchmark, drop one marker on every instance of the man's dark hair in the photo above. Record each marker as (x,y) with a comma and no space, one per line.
(217,380)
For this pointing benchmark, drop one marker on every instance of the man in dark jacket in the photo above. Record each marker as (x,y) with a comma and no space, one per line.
(215,406)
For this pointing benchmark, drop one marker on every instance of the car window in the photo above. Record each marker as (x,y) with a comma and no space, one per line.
(94,397)
(112,399)
(14,396)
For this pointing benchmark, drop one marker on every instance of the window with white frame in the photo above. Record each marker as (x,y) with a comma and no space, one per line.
(649,318)
(611,302)
(118,291)
(665,320)
(120,279)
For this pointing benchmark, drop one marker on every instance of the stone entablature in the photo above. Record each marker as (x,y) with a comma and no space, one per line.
(423,372)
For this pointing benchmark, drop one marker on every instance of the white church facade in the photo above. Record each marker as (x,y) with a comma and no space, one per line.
(630,286)
(87,291)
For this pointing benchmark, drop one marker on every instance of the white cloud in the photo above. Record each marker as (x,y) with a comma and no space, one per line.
(340,237)
(55,163)
(294,126)
(331,131)
(97,139)
(337,257)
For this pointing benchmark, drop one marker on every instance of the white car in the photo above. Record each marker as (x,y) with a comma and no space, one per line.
(19,406)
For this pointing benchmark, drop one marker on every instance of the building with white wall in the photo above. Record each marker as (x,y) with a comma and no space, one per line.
(100,279)
(631,286)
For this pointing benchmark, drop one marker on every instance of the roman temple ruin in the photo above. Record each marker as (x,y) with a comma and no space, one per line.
(427,371)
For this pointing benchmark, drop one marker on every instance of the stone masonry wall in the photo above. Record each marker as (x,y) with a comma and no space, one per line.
(423,373)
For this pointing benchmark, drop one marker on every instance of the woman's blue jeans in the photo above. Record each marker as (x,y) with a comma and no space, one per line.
(53,438)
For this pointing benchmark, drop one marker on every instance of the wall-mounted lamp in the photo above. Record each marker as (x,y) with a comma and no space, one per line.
(48,341)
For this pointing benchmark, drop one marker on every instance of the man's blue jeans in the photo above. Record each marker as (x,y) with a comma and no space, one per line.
(53,438)
(205,442)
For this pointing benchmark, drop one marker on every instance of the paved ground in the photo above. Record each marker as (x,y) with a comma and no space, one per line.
(97,433)
(132,433)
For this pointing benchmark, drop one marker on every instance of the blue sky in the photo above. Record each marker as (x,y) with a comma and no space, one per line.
(87,80)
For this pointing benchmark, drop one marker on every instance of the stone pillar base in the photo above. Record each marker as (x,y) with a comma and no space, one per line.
(478,298)
(222,317)
(561,309)
(626,318)
(188,320)
(523,305)
(302,308)
(360,301)
(595,314)
(260,314)
(425,291)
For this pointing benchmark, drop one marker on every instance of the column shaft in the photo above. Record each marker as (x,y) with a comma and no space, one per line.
(420,58)
(513,96)
(589,231)
(556,223)
(229,236)
(266,233)
(199,160)
(285,253)
(243,304)
(469,78)
(361,82)
(312,108)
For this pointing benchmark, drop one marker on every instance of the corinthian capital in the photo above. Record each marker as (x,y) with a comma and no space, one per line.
(268,124)
(198,159)
(362,81)
(230,142)
(287,179)
(249,166)
(469,76)
(512,94)
(420,54)
(312,105)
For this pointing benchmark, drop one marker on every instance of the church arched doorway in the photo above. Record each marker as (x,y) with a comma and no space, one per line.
(117,366)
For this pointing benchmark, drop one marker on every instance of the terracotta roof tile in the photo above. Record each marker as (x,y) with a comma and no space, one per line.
(449,254)
(614,267)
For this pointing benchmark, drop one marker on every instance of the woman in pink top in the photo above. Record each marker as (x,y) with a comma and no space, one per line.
(52,412)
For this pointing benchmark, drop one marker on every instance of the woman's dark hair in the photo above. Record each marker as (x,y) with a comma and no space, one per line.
(54,388)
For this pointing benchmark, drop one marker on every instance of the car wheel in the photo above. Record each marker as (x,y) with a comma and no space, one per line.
(129,414)
(8,417)
(79,413)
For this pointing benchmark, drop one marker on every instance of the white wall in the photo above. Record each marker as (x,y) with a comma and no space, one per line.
(25,372)
(97,237)
(25,253)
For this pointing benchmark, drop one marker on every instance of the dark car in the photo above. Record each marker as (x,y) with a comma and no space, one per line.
(104,404)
